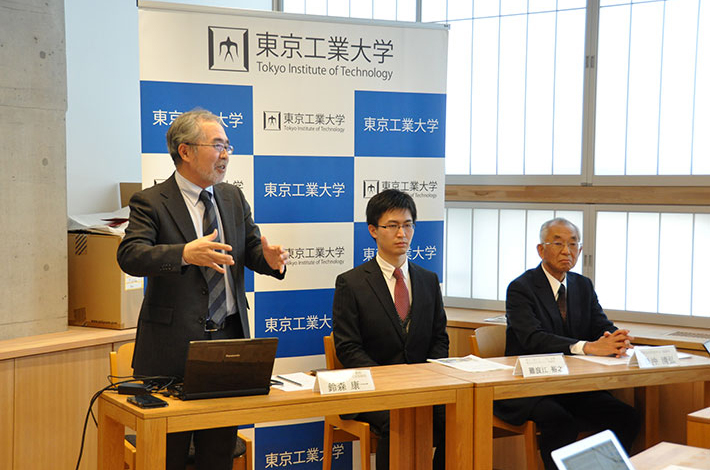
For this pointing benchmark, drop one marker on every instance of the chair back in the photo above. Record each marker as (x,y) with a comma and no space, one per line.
(488,341)
(331,359)
(120,361)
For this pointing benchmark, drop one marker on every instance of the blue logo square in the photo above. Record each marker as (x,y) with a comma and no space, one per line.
(390,124)
(299,319)
(163,102)
(297,446)
(248,280)
(303,189)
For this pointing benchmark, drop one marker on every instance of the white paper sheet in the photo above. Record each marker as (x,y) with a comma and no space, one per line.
(304,380)
(470,363)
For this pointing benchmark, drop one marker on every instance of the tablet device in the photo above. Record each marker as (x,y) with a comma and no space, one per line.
(598,451)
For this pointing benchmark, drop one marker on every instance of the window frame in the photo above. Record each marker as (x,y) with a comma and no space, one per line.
(636,316)
(588,257)
(487,304)
(586,178)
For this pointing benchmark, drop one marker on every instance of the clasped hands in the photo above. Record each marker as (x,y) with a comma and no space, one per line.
(204,251)
(610,344)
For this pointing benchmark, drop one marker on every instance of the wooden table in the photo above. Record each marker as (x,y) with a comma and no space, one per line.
(698,428)
(408,390)
(664,454)
(583,376)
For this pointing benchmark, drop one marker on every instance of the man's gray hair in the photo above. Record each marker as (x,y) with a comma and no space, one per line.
(187,129)
(557,221)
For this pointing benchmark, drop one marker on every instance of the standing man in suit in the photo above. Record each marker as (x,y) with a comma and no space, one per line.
(552,310)
(195,287)
(390,311)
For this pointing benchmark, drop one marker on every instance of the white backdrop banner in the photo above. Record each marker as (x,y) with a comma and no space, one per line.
(323,114)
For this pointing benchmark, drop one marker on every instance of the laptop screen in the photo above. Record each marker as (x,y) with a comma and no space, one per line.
(601,450)
(229,367)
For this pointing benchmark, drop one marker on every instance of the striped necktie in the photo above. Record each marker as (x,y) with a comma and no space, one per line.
(217,307)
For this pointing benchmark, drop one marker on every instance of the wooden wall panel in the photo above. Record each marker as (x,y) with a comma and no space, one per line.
(655,195)
(7,403)
(52,393)
(676,401)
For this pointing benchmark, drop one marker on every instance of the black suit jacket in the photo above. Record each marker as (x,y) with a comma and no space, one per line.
(176,297)
(366,328)
(535,325)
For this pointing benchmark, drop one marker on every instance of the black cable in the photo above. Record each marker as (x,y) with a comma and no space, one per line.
(86,420)
(155,387)
(137,378)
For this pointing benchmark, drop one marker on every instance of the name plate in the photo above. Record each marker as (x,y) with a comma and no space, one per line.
(647,357)
(541,365)
(343,381)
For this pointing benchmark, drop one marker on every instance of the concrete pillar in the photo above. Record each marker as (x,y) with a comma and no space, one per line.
(33,101)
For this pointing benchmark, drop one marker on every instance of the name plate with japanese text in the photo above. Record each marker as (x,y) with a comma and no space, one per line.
(541,365)
(647,357)
(343,381)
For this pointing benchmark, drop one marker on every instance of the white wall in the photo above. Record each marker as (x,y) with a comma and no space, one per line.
(103,128)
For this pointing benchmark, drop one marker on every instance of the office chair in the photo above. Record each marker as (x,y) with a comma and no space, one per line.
(344,430)
(120,366)
(489,341)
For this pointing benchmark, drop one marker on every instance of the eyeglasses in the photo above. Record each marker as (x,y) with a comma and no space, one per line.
(572,246)
(394,228)
(219,147)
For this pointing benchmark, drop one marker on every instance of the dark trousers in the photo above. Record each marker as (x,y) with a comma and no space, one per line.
(560,418)
(214,449)
(380,424)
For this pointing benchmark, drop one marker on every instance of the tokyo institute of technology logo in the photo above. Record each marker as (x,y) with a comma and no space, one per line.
(370,188)
(228,49)
(272,120)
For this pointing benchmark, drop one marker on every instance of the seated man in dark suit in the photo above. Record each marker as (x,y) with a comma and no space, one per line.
(552,310)
(373,323)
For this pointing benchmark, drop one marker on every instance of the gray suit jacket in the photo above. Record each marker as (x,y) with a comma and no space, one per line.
(175,303)
(366,328)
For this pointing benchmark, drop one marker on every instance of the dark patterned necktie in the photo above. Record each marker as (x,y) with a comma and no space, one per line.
(562,302)
(401,295)
(217,307)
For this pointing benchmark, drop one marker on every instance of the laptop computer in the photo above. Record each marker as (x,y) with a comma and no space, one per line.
(228,368)
(599,451)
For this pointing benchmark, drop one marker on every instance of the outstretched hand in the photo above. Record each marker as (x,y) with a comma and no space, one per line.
(204,251)
(275,255)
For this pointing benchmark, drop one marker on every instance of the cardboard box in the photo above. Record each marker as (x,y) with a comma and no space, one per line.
(100,294)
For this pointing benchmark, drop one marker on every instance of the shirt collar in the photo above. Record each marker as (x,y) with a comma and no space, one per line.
(388,269)
(554,283)
(190,190)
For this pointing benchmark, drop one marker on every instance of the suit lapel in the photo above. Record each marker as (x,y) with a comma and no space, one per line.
(377,282)
(573,307)
(175,204)
(418,293)
(226,213)
(547,299)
